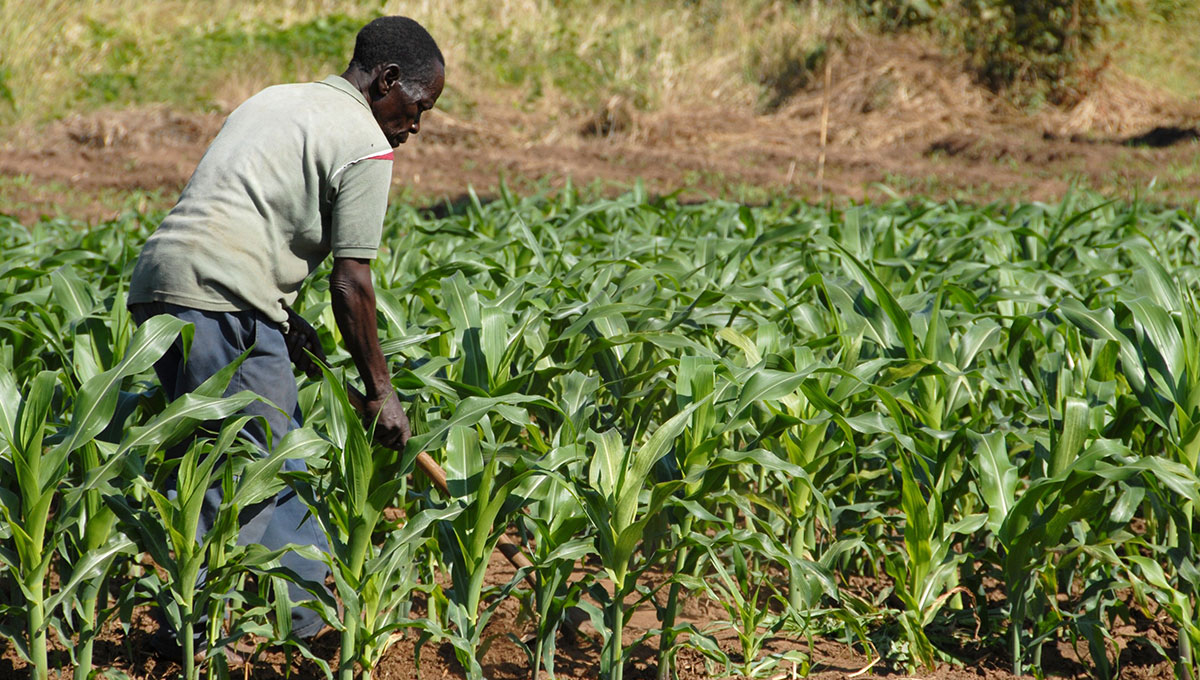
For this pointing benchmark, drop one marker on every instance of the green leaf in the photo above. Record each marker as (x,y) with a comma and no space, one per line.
(462,303)
(10,403)
(71,293)
(657,446)
(997,478)
(743,343)
(765,385)
(608,462)
(892,308)
(464,461)
(1163,336)
(1071,438)
(259,479)
(31,421)
(494,339)
(1101,324)
(1153,280)
(97,399)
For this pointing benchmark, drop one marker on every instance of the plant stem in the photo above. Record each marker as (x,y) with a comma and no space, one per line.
(360,540)
(87,630)
(346,662)
(614,651)
(1185,655)
(1015,645)
(37,633)
(187,642)
(36,582)
(666,642)
(795,590)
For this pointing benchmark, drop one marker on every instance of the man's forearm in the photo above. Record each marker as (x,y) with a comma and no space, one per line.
(353,298)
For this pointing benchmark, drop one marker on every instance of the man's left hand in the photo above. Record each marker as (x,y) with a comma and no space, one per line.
(302,336)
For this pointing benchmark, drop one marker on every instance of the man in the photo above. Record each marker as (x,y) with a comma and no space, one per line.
(296,173)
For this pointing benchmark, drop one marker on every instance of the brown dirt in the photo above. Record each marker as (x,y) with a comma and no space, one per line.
(831,659)
(903,119)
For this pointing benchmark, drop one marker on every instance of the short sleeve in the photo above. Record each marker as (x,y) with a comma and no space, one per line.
(359,204)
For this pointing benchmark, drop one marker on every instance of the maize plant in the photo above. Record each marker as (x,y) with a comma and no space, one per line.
(990,414)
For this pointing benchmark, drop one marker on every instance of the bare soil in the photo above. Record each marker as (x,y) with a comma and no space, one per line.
(903,119)
(133,654)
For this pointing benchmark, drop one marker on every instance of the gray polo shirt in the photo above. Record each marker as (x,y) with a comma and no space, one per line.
(297,171)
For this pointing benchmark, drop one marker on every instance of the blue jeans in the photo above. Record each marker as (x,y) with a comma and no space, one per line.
(220,338)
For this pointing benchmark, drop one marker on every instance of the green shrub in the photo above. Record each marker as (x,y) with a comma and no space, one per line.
(895,14)
(1034,50)
(1034,47)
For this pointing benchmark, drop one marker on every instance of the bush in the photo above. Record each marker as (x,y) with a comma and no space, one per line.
(896,14)
(1031,49)
(1035,47)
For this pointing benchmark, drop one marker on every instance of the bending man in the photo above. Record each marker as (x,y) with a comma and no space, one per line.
(296,173)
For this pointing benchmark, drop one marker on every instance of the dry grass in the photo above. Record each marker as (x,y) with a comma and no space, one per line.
(544,69)
(563,59)
(54,49)
(1155,41)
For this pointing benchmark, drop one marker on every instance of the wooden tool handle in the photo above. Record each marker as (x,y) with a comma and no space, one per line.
(508,547)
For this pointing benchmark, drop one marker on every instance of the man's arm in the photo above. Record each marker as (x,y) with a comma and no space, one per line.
(353,297)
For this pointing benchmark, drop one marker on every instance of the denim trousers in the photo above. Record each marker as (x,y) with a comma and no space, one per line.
(218,339)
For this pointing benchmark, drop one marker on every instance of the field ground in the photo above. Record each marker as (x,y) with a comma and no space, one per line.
(133,656)
(902,122)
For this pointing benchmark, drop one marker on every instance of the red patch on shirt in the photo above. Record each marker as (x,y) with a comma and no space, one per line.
(387,156)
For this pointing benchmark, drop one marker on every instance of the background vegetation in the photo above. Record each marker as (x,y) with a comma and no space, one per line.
(563,58)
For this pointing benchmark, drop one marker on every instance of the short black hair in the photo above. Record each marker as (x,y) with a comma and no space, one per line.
(401,41)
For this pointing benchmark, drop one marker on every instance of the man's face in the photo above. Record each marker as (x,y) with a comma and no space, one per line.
(399,111)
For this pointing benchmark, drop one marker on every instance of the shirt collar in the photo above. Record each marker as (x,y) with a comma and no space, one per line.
(340,83)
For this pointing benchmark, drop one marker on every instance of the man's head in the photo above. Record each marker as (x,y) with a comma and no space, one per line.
(400,70)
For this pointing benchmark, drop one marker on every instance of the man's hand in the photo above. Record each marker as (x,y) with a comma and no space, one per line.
(302,336)
(391,422)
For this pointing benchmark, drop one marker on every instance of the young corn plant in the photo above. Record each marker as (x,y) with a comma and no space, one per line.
(926,572)
(36,471)
(1155,333)
(349,503)
(168,532)
(348,498)
(723,396)
(200,569)
(611,498)
(28,512)
(695,383)
(91,547)
(748,601)
(89,552)
(488,494)
(557,524)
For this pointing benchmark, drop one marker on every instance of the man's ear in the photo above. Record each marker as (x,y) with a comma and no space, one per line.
(388,76)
